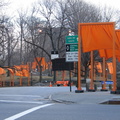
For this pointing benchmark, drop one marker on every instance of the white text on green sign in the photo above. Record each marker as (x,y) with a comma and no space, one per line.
(72,39)
(71,47)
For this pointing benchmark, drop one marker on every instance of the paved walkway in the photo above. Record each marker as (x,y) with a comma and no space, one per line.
(85,97)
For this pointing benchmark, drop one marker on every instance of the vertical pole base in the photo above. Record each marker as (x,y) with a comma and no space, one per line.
(104,90)
(91,90)
(79,91)
(115,92)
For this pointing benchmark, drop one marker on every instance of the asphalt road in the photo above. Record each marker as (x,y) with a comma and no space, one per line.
(25,103)
(34,103)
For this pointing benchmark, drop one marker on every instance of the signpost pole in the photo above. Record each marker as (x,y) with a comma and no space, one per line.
(73,54)
(70,80)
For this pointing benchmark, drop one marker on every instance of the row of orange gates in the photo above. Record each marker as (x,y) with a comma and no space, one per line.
(98,66)
(103,37)
(22,71)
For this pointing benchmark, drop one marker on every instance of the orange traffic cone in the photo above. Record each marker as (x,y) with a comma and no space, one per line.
(65,85)
(50,84)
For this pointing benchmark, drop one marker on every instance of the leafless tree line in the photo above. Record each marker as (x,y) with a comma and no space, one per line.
(43,28)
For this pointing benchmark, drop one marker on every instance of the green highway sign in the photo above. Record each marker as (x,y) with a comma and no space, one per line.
(71,47)
(71,39)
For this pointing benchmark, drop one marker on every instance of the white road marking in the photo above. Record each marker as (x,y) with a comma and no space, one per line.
(20,95)
(14,117)
(13,101)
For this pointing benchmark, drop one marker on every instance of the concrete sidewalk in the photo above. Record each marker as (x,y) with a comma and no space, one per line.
(85,97)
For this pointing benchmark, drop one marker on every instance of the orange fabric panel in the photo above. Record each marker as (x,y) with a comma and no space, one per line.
(99,67)
(110,67)
(43,62)
(22,70)
(18,73)
(11,71)
(25,70)
(24,67)
(34,65)
(38,59)
(118,59)
(118,36)
(102,53)
(62,82)
(46,65)
(108,53)
(25,73)
(17,67)
(97,36)
(2,71)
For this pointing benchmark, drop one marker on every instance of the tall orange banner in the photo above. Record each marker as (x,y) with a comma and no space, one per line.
(110,67)
(96,36)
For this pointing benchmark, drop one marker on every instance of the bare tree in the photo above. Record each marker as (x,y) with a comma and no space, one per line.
(45,28)
(53,14)
(78,11)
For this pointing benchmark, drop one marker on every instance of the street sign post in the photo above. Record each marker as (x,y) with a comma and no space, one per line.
(72,48)
(71,51)
(54,54)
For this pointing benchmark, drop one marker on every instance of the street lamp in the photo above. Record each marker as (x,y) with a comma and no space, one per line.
(71,33)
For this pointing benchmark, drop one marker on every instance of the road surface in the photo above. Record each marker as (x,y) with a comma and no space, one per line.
(34,103)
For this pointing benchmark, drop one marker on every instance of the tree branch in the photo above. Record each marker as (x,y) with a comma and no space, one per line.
(38,47)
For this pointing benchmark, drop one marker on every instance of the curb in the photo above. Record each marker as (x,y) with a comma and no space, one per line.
(60,101)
